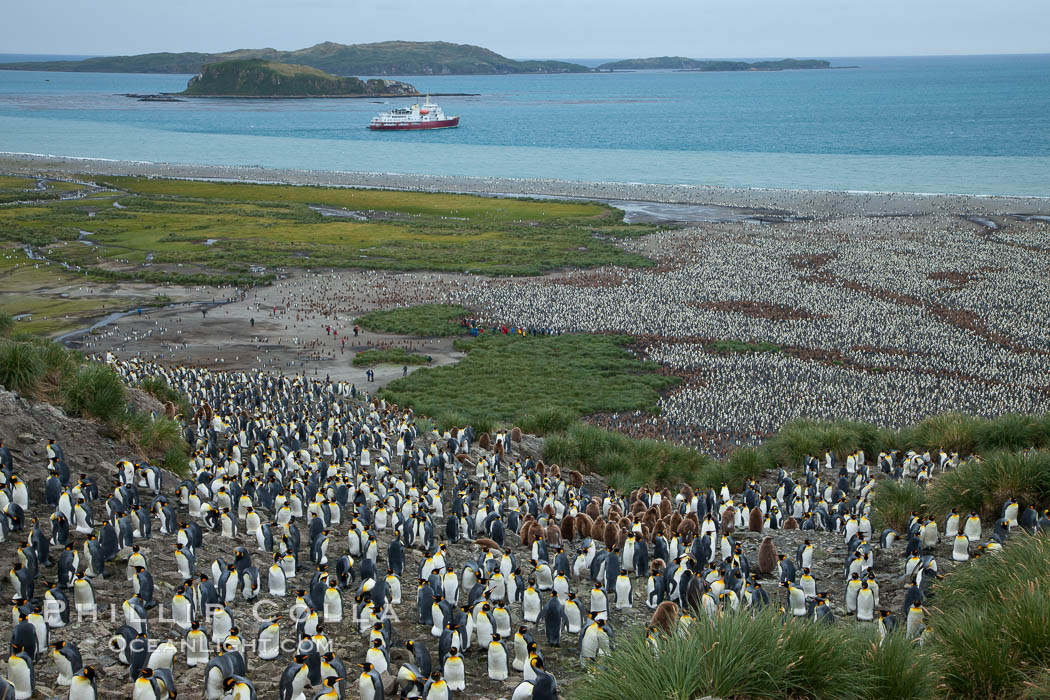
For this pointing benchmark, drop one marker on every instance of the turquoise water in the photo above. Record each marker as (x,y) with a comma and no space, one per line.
(940,124)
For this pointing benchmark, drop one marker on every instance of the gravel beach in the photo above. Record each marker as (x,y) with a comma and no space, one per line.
(810,203)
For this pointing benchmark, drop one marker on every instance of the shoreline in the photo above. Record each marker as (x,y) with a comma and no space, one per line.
(810,203)
(181,96)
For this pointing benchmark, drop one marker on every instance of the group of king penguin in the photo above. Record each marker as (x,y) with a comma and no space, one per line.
(500,562)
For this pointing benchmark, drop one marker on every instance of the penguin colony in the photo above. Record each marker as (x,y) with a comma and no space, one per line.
(869,310)
(883,296)
(328,513)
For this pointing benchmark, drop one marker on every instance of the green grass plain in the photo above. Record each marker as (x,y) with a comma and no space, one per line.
(504,377)
(390,356)
(226,227)
(52,315)
(431,320)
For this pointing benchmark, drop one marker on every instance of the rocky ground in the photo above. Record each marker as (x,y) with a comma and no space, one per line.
(26,426)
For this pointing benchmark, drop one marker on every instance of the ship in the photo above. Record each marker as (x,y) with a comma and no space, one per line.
(425,116)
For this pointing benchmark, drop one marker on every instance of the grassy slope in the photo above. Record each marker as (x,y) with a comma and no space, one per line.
(47,371)
(259,78)
(382,58)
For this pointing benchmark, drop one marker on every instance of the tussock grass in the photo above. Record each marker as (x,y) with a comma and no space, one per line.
(159,389)
(45,370)
(991,628)
(964,434)
(176,461)
(986,484)
(21,367)
(893,502)
(760,656)
(954,432)
(547,421)
(628,462)
(897,668)
(799,438)
(94,391)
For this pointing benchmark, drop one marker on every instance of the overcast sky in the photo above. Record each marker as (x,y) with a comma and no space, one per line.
(539,28)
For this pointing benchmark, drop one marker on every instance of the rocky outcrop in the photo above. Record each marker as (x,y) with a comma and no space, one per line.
(258,78)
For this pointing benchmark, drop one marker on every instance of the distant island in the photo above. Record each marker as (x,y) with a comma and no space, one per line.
(254,77)
(691,64)
(383,58)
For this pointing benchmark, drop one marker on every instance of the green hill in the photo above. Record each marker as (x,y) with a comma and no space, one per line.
(383,58)
(254,77)
(681,63)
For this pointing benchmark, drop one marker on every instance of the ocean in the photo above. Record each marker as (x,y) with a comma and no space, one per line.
(961,124)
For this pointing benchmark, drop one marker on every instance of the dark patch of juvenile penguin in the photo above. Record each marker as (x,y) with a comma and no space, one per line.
(729,520)
(767,556)
(666,616)
(754,520)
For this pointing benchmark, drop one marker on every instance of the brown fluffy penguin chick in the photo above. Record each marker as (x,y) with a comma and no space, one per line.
(598,530)
(624,534)
(594,510)
(575,479)
(688,526)
(530,533)
(555,471)
(486,543)
(583,524)
(674,522)
(515,434)
(729,520)
(499,450)
(665,508)
(484,442)
(754,520)
(789,524)
(611,536)
(568,527)
(665,616)
(767,556)
(553,535)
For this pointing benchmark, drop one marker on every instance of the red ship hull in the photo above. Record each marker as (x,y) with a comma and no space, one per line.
(412,126)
